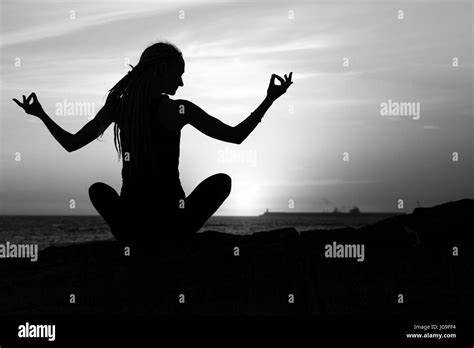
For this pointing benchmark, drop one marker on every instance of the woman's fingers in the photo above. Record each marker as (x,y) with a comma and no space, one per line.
(289,82)
(275,90)
(280,79)
(26,101)
(286,80)
(18,102)
(272,81)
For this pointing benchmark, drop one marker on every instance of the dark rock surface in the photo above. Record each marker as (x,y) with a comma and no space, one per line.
(410,255)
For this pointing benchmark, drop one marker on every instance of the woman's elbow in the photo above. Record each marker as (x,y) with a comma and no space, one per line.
(235,137)
(71,147)
(235,140)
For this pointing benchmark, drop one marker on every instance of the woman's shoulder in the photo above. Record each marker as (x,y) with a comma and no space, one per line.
(176,104)
(172,112)
(182,107)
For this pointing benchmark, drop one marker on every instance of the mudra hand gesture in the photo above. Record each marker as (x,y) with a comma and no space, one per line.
(275,91)
(34,108)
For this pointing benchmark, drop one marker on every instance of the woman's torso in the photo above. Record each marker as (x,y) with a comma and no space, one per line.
(160,179)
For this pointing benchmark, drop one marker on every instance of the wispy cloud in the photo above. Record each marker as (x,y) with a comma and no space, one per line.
(78,16)
(231,48)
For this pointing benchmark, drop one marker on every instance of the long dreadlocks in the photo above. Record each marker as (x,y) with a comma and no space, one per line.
(130,101)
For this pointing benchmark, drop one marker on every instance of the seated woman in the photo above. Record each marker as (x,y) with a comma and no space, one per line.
(147,129)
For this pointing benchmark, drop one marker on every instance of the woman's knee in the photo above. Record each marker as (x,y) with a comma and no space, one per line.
(100,193)
(95,188)
(100,188)
(224,183)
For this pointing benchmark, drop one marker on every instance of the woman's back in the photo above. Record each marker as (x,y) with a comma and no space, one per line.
(158,171)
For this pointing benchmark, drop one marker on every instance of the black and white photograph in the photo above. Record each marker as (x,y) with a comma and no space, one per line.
(216,172)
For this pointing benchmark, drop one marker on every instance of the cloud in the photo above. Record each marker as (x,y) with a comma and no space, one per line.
(64,25)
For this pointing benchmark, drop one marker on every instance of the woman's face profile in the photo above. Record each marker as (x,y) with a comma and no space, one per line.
(171,77)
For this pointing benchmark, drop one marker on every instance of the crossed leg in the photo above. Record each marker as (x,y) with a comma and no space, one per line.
(203,202)
(107,203)
(199,206)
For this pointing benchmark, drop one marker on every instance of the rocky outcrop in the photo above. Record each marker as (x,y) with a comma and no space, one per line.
(425,256)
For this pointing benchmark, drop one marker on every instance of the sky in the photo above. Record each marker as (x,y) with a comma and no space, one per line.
(326,143)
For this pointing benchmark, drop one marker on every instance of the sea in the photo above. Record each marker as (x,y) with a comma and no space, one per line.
(61,230)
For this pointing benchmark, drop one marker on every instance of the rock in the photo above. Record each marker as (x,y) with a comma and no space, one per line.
(279,272)
(461,208)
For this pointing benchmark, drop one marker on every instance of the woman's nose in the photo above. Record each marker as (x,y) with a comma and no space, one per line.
(181,83)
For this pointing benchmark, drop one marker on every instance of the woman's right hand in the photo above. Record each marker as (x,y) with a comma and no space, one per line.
(275,91)
(34,108)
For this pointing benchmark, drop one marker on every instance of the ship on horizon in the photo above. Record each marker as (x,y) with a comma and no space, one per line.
(351,212)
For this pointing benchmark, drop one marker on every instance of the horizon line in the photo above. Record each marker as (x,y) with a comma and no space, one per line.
(271,212)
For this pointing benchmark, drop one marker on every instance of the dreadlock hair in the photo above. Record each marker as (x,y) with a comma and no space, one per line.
(130,101)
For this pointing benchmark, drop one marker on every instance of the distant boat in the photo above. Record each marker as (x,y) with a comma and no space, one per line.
(354,211)
(351,212)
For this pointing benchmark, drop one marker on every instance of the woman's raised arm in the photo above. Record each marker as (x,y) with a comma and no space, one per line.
(216,129)
(70,142)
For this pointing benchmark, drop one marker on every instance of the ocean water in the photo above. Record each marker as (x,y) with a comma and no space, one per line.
(57,230)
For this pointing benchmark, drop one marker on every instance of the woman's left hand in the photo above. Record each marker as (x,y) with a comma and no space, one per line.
(34,108)
(275,91)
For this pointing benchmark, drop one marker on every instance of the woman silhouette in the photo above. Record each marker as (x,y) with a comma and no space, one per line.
(147,136)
